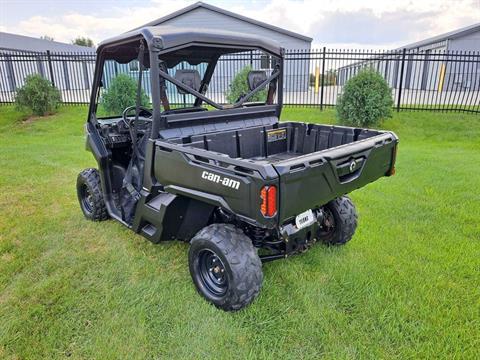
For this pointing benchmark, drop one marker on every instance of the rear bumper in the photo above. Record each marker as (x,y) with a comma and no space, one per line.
(297,239)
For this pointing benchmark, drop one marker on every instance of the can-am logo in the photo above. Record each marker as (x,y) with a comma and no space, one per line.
(225,181)
(353,166)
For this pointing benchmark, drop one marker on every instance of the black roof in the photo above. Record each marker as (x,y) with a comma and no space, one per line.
(168,38)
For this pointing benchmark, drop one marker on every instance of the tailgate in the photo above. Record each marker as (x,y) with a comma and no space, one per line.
(313,180)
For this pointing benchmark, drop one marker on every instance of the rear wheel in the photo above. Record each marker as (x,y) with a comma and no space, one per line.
(225,266)
(90,196)
(339,222)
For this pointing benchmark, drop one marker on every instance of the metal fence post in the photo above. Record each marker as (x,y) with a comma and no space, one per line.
(401,80)
(184,96)
(50,67)
(323,78)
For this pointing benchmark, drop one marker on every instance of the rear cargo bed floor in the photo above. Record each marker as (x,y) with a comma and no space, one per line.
(277,157)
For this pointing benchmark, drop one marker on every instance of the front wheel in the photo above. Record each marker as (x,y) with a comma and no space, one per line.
(90,196)
(225,266)
(339,222)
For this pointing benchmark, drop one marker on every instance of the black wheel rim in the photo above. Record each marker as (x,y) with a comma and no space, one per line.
(212,273)
(87,198)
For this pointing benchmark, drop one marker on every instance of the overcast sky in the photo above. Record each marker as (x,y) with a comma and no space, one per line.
(335,23)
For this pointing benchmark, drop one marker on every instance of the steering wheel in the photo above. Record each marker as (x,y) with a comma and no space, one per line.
(142,112)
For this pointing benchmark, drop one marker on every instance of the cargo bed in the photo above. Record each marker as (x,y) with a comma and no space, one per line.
(274,143)
(312,163)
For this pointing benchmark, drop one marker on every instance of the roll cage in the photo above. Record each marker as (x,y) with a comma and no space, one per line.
(159,49)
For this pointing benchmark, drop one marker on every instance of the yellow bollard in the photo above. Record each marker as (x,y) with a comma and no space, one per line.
(442,77)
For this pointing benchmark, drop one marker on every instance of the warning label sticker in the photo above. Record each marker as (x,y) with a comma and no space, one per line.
(276,135)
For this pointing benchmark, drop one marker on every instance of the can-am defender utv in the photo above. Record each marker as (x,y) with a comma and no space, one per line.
(238,185)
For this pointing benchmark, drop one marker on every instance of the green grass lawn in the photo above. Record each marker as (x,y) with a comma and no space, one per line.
(406,286)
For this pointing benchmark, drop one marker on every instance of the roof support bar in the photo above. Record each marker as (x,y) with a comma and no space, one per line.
(206,79)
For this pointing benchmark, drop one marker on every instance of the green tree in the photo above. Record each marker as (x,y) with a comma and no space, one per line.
(83,41)
(366,100)
(121,94)
(38,95)
(46,37)
(239,87)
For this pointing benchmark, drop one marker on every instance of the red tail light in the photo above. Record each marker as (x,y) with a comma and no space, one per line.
(268,194)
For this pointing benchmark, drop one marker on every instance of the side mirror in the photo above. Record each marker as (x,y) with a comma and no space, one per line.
(255,78)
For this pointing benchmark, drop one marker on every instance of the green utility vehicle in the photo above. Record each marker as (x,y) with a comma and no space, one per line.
(231,180)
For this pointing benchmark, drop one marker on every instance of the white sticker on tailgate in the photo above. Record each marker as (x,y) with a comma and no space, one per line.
(304,219)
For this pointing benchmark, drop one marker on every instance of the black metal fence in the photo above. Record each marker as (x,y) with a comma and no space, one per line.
(71,73)
(419,80)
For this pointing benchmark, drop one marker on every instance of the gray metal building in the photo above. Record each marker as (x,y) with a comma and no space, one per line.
(463,39)
(30,53)
(206,16)
(430,64)
(27,43)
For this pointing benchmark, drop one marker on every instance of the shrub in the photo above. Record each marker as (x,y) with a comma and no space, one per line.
(366,100)
(38,95)
(121,94)
(239,87)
